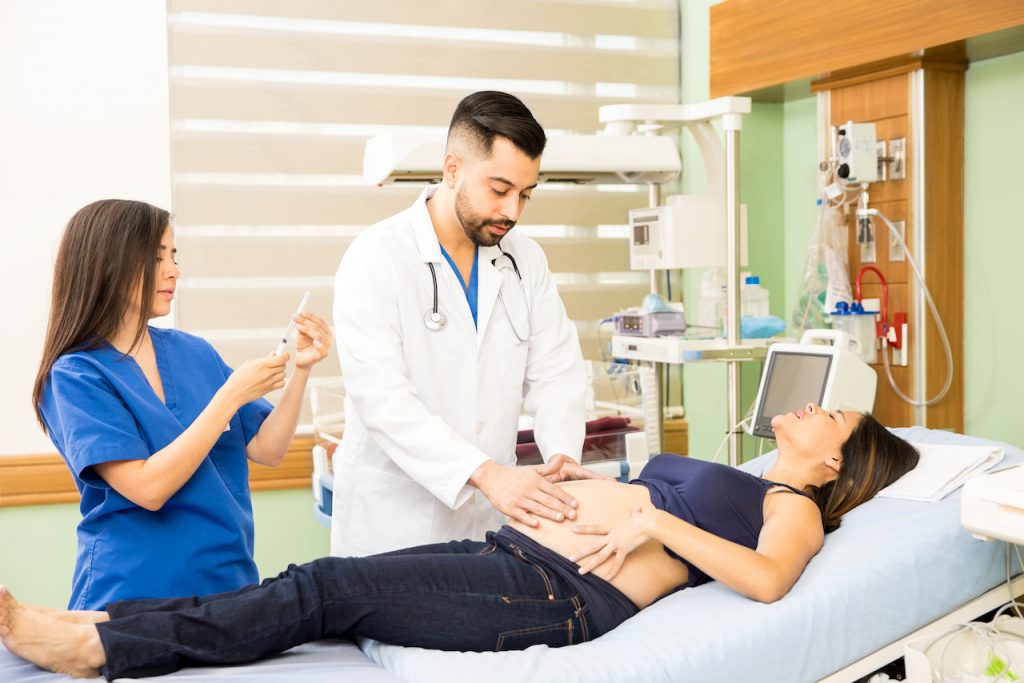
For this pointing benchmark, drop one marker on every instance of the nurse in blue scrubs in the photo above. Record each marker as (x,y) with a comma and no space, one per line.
(154,426)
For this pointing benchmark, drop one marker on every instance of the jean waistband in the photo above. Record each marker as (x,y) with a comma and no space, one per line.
(605,604)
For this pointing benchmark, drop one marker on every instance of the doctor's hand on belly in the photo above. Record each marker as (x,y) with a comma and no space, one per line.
(563,468)
(523,493)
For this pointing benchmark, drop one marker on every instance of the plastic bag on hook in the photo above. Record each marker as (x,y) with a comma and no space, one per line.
(826,277)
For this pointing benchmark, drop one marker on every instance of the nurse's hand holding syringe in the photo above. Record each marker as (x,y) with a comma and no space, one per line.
(259,376)
(251,376)
(255,379)
(312,343)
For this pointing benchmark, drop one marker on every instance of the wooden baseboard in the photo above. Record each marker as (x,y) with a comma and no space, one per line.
(676,437)
(294,472)
(44,479)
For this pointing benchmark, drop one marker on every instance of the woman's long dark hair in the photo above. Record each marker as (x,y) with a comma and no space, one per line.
(109,247)
(873,458)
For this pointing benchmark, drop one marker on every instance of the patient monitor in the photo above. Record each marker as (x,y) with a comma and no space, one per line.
(823,369)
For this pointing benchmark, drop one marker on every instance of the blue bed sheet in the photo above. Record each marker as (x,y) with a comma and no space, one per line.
(893,567)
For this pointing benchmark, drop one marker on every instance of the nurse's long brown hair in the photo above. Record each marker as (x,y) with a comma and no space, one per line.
(108,248)
(873,458)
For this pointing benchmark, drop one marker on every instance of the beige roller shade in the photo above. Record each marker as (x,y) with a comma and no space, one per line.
(273,100)
(642,18)
(248,49)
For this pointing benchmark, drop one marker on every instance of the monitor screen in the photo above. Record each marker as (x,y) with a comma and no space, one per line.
(641,234)
(792,381)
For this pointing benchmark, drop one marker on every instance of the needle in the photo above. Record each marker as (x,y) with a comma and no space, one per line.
(291,326)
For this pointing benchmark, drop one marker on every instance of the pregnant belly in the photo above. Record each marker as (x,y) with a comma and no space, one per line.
(648,572)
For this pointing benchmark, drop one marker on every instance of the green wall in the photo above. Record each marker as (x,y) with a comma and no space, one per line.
(800,181)
(994,243)
(39,543)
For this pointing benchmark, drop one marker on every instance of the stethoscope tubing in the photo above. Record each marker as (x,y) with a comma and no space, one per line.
(435,320)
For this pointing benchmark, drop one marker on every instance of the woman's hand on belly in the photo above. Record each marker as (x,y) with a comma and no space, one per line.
(616,542)
(648,572)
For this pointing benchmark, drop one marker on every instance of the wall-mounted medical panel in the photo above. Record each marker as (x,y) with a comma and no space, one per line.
(920,103)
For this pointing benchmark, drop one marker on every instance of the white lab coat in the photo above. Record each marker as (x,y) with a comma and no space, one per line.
(424,409)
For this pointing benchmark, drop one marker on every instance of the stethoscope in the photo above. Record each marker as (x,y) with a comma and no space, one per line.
(436,321)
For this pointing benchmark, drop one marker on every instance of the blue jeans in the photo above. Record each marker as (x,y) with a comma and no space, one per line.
(462,595)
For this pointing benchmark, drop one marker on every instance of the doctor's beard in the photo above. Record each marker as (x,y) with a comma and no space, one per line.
(475,226)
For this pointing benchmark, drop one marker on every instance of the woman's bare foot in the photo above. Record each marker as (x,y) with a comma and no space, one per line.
(73,616)
(49,642)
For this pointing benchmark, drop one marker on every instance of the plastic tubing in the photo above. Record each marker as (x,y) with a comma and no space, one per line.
(885,293)
(938,323)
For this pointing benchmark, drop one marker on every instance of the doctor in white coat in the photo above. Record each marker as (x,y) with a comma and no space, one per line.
(449,326)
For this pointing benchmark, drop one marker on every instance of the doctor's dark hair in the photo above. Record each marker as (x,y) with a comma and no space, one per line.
(109,248)
(484,115)
(873,458)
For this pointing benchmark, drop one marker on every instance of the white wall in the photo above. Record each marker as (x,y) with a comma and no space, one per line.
(83,116)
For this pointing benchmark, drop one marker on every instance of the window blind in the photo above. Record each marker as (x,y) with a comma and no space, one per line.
(273,100)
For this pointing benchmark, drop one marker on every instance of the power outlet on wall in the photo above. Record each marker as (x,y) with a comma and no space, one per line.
(898,155)
(896,253)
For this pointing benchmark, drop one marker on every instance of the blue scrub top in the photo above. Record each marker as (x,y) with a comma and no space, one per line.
(471,288)
(98,407)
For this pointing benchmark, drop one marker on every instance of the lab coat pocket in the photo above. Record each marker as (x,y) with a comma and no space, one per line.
(512,364)
(388,511)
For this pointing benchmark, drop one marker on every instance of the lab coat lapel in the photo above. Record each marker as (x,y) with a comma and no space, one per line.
(488,286)
(423,230)
(451,297)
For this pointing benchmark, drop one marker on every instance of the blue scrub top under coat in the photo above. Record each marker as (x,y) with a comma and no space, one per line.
(471,288)
(99,407)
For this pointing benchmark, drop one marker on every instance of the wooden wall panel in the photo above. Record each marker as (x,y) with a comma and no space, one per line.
(944,211)
(757,44)
(870,101)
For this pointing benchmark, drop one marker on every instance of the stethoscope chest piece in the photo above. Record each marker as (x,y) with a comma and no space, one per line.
(434,319)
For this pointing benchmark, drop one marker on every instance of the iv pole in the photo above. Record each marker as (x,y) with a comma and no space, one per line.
(732,124)
(724,182)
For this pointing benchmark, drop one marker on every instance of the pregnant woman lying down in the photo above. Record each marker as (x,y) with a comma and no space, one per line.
(683,522)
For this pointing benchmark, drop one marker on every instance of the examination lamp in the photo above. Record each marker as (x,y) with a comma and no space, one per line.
(579,159)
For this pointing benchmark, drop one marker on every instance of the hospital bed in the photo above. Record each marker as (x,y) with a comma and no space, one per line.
(894,567)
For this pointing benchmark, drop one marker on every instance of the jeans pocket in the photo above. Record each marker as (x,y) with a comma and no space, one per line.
(558,634)
(518,552)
